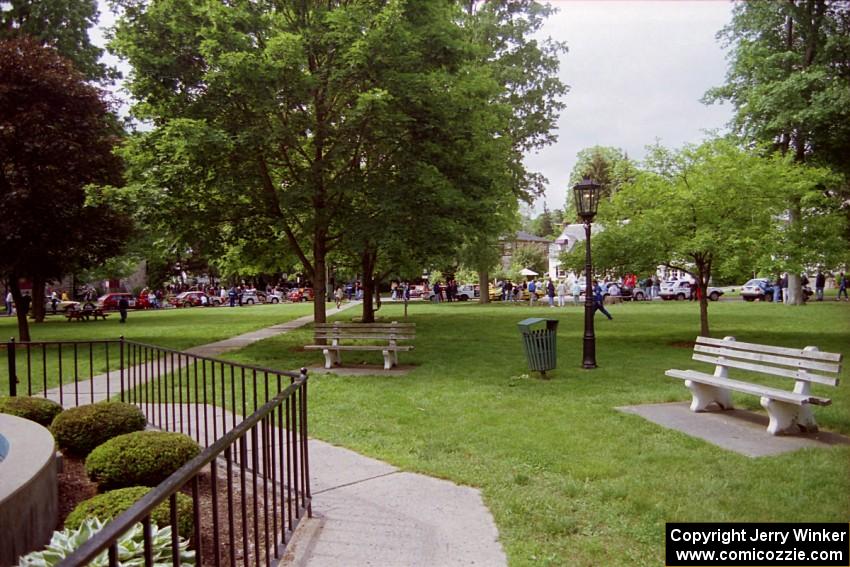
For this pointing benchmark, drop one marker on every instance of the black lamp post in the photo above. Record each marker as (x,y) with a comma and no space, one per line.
(587,201)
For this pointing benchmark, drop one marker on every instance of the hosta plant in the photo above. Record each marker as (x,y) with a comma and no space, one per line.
(131,547)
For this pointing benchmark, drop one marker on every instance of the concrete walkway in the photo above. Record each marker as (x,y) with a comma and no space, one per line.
(365,512)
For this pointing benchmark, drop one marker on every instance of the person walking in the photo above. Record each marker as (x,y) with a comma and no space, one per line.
(550,292)
(562,293)
(339,295)
(509,291)
(777,289)
(10,304)
(576,290)
(597,300)
(532,292)
(842,287)
(232,296)
(820,283)
(123,305)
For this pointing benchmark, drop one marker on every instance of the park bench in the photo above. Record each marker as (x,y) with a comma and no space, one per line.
(789,411)
(357,334)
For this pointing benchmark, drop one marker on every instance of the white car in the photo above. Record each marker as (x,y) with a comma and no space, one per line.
(465,292)
(681,290)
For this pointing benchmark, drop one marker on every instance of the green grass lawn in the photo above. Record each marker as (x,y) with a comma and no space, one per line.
(173,328)
(569,479)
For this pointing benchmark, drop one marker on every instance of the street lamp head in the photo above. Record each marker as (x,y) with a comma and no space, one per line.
(587,198)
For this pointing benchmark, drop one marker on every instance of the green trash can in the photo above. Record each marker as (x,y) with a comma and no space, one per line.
(539,342)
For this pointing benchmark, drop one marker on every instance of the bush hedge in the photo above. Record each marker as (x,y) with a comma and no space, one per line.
(110,504)
(79,430)
(141,458)
(39,410)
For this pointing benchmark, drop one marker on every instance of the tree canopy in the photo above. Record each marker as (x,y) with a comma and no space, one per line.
(363,129)
(56,140)
(706,210)
(60,24)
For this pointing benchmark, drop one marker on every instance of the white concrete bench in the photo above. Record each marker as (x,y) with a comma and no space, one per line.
(388,334)
(789,411)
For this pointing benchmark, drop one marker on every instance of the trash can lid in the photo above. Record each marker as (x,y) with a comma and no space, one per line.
(527,323)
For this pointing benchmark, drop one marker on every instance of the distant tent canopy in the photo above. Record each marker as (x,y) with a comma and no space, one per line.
(527,272)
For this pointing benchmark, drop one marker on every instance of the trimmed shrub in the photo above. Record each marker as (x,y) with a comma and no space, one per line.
(79,430)
(141,458)
(39,410)
(110,504)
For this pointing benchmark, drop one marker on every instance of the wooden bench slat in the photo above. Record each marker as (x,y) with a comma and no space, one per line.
(800,353)
(787,373)
(770,358)
(348,336)
(359,326)
(748,388)
(402,348)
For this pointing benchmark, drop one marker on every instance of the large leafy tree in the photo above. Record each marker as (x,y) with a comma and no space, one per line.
(704,210)
(608,166)
(789,81)
(61,24)
(267,113)
(525,64)
(56,139)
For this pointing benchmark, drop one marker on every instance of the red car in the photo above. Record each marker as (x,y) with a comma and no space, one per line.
(301,294)
(109,301)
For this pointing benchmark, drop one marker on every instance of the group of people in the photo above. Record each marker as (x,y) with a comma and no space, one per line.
(447,291)
(780,286)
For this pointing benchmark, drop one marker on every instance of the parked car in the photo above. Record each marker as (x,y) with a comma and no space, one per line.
(252,296)
(274,297)
(193,299)
(416,291)
(109,301)
(301,294)
(682,289)
(465,292)
(757,289)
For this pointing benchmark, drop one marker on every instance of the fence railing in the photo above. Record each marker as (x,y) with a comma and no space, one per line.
(250,487)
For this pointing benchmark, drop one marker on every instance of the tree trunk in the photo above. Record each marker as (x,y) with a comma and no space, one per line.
(703,308)
(483,286)
(320,292)
(38,299)
(795,290)
(703,276)
(368,282)
(23,324)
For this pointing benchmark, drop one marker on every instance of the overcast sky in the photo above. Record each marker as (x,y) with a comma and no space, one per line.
(636,70)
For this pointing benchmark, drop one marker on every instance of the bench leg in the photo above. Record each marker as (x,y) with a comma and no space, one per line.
(388,359)
(788,418)
(330,357)
(704,395)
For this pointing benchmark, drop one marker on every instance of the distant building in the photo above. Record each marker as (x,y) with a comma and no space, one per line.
(570,236)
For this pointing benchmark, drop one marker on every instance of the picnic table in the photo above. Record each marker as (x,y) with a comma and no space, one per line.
(85,314)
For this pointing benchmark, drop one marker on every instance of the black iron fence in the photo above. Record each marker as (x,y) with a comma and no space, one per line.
(250,487)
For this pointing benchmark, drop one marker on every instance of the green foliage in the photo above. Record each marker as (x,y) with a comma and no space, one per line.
(79,430)
(39,410)
(139,458)
(528,256)
(707,208)
(62,25)
(610,167)
(131,547)
(110,504)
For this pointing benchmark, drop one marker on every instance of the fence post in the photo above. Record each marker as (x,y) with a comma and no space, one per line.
(121,364)
(13,372)
(305,440)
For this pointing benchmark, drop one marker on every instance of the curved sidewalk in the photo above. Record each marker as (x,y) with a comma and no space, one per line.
(367,512)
